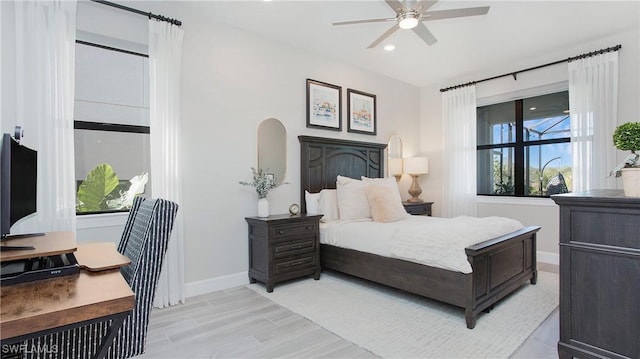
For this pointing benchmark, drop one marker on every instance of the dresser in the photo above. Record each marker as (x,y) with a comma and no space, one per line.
(418,209)
(283,247)
(599,275)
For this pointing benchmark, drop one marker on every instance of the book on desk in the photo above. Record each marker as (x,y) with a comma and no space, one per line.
(51,256)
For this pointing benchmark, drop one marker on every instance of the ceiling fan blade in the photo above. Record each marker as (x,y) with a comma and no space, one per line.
(395,5)
(384,36)
(352,22)
(426,4)
(425,34)
(448,14)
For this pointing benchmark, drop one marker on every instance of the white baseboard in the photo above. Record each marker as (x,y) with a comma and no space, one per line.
(548,257)
(214,284)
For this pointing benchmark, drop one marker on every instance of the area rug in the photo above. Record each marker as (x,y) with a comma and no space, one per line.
(395,324)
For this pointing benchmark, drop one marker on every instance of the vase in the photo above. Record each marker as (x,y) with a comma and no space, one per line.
(631,182)
(263,207)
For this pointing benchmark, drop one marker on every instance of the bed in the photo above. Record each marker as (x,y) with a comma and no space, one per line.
(499,265)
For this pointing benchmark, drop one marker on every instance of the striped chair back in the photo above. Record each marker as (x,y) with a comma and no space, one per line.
(124,239)
(144,241)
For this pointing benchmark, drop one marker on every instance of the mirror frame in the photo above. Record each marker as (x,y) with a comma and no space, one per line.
(394,152)
(272,148)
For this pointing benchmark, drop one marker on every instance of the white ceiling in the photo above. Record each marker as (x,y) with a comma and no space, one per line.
(511,31)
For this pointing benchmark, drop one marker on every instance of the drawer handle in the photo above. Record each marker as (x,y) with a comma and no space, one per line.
(296,263)
(281,232)
(298,246)
(308,228)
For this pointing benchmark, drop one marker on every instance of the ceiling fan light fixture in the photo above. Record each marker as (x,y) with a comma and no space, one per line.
(408,20)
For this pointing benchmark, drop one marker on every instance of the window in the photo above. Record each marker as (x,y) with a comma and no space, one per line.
(524,147)
(111,128)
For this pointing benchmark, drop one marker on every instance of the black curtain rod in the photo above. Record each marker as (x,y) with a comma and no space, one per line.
(87,43)
(515,73)
(136,11)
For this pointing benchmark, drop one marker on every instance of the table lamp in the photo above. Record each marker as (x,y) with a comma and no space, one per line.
(416,166)
(395,168)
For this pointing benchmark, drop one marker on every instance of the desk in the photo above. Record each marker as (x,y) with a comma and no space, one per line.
(29,310)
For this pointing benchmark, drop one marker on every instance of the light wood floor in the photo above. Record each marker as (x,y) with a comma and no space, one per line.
(239,323)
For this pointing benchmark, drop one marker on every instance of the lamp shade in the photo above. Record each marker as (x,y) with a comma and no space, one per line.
(395,166)
(416,165)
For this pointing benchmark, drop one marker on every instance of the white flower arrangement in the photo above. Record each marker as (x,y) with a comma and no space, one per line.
(262,182)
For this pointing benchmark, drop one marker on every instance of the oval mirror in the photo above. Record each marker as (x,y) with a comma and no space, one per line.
(394,156)
(272,149)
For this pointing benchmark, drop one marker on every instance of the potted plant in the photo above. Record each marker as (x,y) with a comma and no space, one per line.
(626,137)
(263,183)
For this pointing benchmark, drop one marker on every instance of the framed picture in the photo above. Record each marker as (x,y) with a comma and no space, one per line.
(324,105)
(362,112)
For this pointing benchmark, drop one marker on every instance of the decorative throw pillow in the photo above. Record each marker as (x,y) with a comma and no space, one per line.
(352,201)
(312,202)
(385,204)
(389,182)
(328,205)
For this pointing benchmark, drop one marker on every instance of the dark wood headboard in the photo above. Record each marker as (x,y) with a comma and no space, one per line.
(323,159)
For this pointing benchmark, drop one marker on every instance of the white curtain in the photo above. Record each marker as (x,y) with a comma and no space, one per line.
(593,102)
(45,80)
(459,157)
(165,54)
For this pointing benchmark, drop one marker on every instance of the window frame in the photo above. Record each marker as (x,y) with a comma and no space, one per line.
(110,127)
(519,147)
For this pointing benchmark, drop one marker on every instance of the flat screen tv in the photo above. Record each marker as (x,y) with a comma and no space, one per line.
(18,183)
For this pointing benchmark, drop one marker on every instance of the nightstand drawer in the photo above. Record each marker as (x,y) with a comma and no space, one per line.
(294,264)
(294,230)
(293,247)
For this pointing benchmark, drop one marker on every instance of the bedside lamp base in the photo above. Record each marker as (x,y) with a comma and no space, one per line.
(415,191)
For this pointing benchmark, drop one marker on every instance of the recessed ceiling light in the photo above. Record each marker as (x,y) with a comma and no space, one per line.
(532,108)
(389,47)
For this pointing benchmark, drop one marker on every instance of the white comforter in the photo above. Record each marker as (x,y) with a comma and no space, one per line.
(437,242)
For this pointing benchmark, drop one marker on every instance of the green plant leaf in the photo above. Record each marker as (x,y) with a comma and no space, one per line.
(93,191)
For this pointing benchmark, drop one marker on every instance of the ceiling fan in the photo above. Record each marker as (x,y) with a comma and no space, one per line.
(411,15)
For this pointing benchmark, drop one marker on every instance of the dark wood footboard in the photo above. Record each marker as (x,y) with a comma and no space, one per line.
(500,266)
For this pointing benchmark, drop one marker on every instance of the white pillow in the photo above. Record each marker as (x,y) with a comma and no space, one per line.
(385,204)
(328,205)
(389,182)
(352,200)
(312,202)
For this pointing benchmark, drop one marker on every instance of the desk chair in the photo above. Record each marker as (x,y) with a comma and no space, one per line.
(144,241)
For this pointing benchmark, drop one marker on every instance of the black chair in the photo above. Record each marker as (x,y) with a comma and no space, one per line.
(144,241)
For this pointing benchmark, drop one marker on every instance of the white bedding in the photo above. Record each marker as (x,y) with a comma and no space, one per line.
(437,242)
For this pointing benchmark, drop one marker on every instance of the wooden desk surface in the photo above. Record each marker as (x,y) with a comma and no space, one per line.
(34,306)
(99,256)
(50,244)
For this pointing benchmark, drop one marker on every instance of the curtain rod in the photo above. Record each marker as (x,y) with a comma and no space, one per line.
(515,73)
(136,11)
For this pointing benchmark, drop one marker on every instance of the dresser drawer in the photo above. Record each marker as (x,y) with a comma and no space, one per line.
(296,230)
(288,248)
(293,264)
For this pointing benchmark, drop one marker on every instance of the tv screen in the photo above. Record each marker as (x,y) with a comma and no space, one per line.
(18,182)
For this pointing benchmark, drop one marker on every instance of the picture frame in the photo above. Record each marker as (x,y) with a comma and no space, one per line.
(324,105)
(362,112)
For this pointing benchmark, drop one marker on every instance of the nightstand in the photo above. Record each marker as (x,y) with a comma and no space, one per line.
(418,209)
(283,247)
